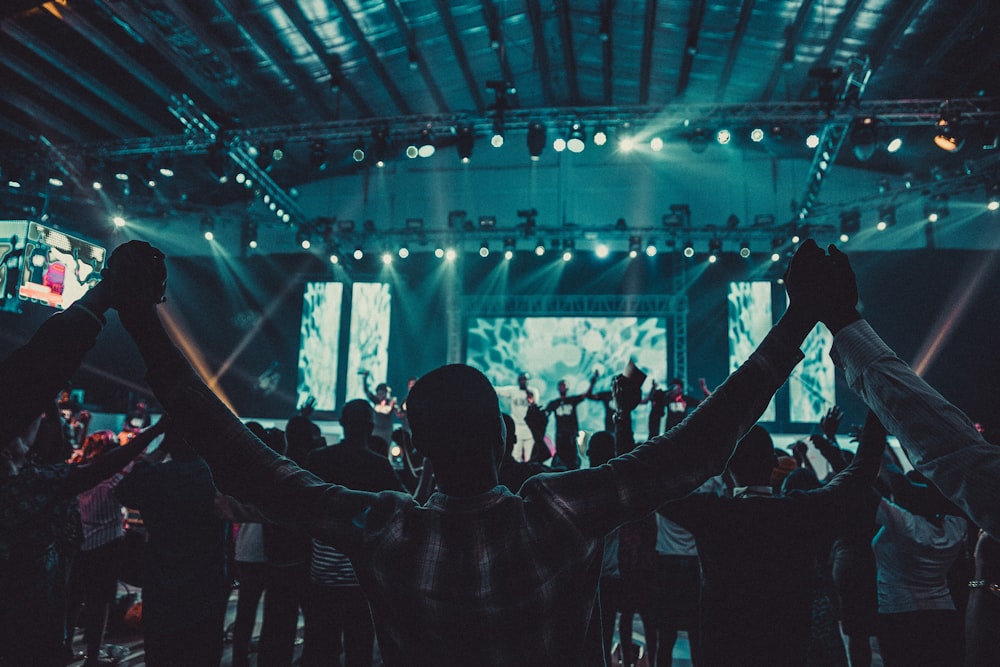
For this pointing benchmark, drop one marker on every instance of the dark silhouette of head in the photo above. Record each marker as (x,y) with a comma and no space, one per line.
(601,448)
(455,419)
(563,389)
(383,391)
(510,435)
(800,479)
(302,437)
(522,380)
(357,418)
(753,460)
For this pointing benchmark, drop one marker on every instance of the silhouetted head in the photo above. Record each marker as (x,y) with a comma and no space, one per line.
(800,479)
(754,458)
(522,380)
(510,435)
(302,437)
(383,391)
(562,387)
(454,416)
(357,419)
(601,448)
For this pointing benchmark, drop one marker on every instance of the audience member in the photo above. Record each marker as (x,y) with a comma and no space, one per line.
(479,575)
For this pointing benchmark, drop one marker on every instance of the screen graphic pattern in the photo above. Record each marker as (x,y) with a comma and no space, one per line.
(371,310)
(319,349)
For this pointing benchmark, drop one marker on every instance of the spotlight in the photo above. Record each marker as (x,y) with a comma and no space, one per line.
(536,140)
(380,149)
(756,135)
(334,257)
(626,144)
(601,250)
(568,247)
(650,249)
(358,154)
(775,256)
(936,208)
(714,250)
(404,252)
(119,221)
(812,141)
(497,139)
(698,141)
(688,249)
(723,136)
(208,227)
(359,254)
(387,258)
(600,136)
(412,151)
(656,144)
(302,238)
(508,248)
(450,254)
(249,230)
(439,252)
(894,145)
(745,249)
(484,249)
(166,171)
(540,248)
(464,144)
(850,223)
(634,243)
(946,138)
(576,141)
(886,217)
(558,144)
(993,201)
(217,162)
(318,156)
(426,146)
(864,136)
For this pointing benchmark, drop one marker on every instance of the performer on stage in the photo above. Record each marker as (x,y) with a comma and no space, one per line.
(567,425)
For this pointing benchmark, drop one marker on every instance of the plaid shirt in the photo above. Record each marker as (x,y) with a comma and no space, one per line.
(497,579)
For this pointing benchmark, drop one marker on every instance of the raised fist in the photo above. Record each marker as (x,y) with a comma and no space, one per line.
(137,274)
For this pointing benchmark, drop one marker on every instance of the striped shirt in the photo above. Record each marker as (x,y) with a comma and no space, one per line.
(101,513)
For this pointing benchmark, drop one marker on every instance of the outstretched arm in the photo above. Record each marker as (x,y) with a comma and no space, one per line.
(87,475)
(939,439)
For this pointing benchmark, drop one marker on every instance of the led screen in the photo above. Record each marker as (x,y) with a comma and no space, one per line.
(319,348)
(371,307)
(550,349)
(11,243)
(58,268)
(749,321)
(812,385)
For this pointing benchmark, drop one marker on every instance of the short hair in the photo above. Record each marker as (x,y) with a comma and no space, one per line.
(601,448)
(454,411)
(753,453)
(358,412)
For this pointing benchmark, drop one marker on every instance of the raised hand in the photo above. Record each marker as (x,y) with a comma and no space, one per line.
(626,393)
(137,275)
(830,422)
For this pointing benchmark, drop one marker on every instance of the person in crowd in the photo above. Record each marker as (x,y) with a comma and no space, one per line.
(567,425)
(757,551)
(939,439)
(604,398)
(288,550)
(94,579)
(184,588)
(919,539)
(479,575)
(404,421)
(337,615)
(600,631)
(516,400)
(672,401)
(385,404)
(34,499)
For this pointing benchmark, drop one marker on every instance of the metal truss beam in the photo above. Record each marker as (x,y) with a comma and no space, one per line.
(565,305)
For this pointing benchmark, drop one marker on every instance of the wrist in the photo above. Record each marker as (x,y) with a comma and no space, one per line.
(98,299)
(840,319)
(798,320)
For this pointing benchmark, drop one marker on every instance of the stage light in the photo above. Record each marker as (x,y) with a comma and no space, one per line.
(688,249)
(380,147)
(484,249)
(334,258)
(634,243)
(96,184)
(558,144)
(993,201)
(844,238)
(412,151)
(723,136)
(387,258)
(756,135)
(249,231)
(359,254)
(864,136)
(936,208)
(450,254)
(850,223)
(56,182)
(208,227)
(540,248)
(166,171)
(426,146)
(650,249)
(600,136)
(404,252)
(886,217)
(894,145)
(497,139)
(464,144)
(626,144)
(656,144)
(812,141)
(439,252)
(358,154)
(317,156)
(601,250)
(795,238)
(775,256)
(118,221)
(714,250)
(508,248)
(577,140)
(302,238)
(947,136)
(745,249)
(536,140)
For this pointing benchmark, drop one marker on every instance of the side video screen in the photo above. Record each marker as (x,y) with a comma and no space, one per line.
(58,268)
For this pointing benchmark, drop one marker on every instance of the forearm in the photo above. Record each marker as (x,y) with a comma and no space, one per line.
(88,475)
(939,439)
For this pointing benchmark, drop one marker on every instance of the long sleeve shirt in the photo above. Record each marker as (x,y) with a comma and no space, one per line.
(939,439)
(495,579)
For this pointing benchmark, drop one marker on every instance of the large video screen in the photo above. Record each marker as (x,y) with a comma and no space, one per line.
(812,387)
(371,311)
(550,349)
(750,319)
(319,349)
(11,243)
(58,268)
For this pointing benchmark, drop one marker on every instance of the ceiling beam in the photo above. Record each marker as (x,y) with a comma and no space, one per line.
(607,50)
(72,70)
(444,13)
(569,57)
(66,96)
(844,22)
(793,34)
(372,56)
(746,11)
(52,122)
(135,20)
(894,33)
(331,61)
(958,31)
(541,58)
(416,54)
(695,19)
(492,18)
(16,130)
(263,40)
(646,56)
